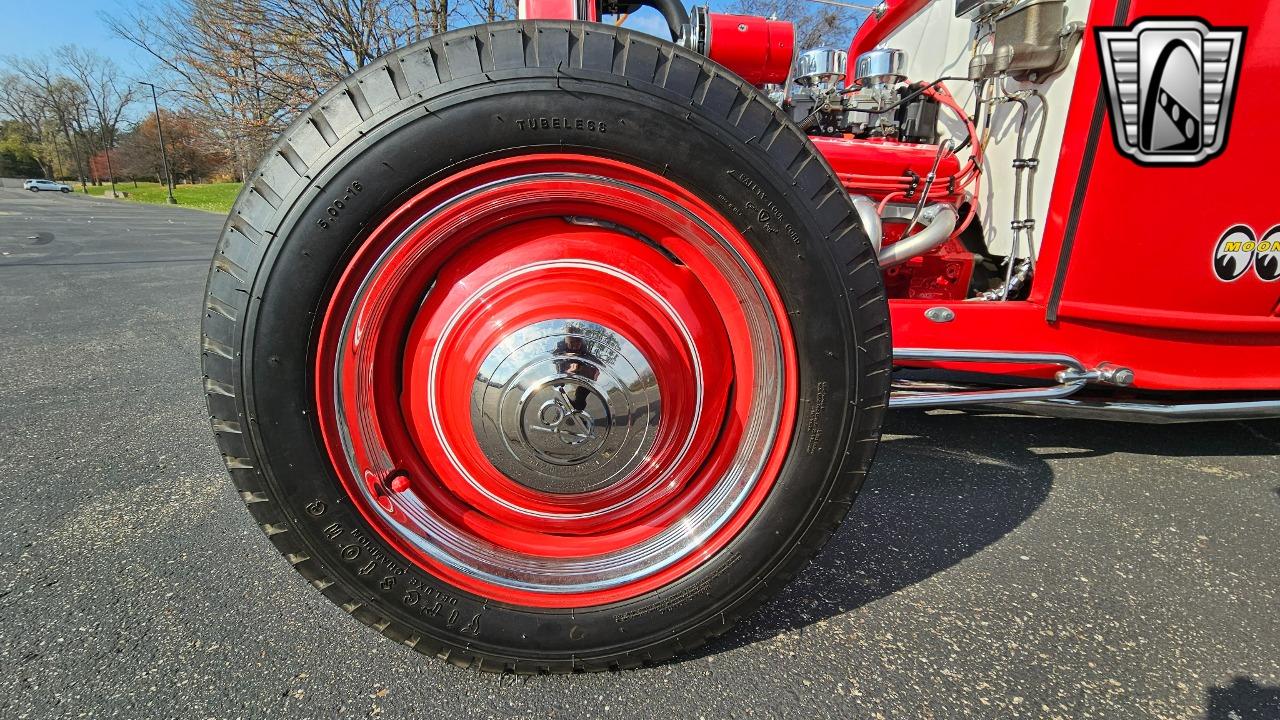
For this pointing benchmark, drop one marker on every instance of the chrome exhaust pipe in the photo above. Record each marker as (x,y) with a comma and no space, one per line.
(1151,412)
(939,220)
(869,218)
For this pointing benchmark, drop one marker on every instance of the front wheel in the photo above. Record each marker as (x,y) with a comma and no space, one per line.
(64,190)
(546,347)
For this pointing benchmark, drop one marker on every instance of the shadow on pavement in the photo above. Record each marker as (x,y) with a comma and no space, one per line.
(949,485)
(1243,699)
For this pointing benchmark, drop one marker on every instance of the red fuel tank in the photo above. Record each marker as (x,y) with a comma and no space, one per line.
(757,48)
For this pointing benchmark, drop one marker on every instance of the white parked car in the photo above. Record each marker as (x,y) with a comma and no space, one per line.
(38,185)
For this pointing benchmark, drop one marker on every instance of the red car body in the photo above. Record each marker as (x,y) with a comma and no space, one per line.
(1124,273)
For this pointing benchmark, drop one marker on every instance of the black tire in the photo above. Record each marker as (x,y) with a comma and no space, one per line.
(434,107)
(64,190)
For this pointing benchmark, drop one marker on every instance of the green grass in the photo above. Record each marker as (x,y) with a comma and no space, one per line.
(213,197)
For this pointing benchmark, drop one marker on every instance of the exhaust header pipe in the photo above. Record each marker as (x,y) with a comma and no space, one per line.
(939,221)
(869,218)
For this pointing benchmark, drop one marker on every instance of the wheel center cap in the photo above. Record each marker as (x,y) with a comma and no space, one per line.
(566,420)
(565,406)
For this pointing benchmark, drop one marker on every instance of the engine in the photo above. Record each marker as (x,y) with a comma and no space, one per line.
(881,135)
(917,186)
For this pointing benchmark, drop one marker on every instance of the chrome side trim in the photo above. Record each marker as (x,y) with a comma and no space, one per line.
(909,398)
(1155,413)
(1053,400)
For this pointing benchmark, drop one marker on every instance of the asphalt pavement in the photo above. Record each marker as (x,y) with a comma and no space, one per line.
(994,566)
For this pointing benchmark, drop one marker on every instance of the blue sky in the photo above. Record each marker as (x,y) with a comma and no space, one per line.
(650,21)
(33,27)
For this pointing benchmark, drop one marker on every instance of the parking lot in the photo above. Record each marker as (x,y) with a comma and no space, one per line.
(994,566)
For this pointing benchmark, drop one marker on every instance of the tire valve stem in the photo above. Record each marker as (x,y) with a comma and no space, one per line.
(399,483)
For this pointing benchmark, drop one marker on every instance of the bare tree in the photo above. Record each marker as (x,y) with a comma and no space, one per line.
(217,59)
(332,37)
(61,99)
(494,10)
(21,102)
(816,24)
(248,67)
(107,96)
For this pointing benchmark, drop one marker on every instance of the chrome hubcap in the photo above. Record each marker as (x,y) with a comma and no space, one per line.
(565,406)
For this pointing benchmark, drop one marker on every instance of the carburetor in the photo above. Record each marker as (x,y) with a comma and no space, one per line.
(878,74)
(878,103)
(820,72)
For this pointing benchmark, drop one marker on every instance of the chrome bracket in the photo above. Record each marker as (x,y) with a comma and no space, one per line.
(1104,373)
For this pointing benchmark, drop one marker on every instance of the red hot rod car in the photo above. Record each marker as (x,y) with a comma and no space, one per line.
(548,346)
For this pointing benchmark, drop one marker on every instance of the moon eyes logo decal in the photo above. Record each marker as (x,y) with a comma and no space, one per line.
(1234,253)
(1170,84)
(1266,261)
(1239,250)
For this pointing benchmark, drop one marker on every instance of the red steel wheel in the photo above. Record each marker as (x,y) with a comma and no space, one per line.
(527,378)
(546,347)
